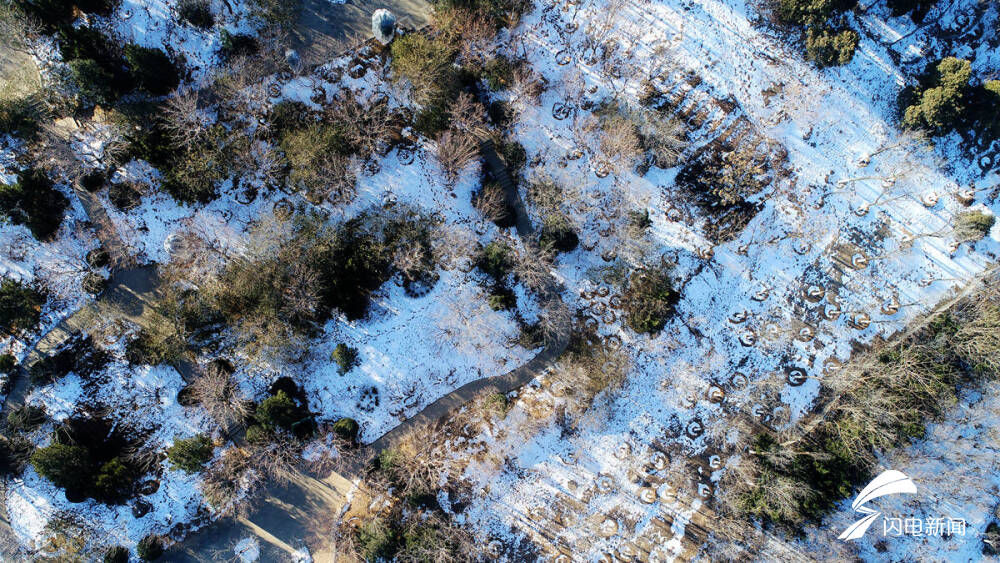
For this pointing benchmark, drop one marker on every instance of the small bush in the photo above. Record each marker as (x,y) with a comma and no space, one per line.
(7,363)
(15,452)
(499,72)
(346,357)
(124,196)
(79,356)
(20,306)
(35,203)
(149,548)
(26,418)
(347,429)
(971,226)
(829,47)
(98,258)
(432,119)
(502,299)
(116,554)
(939,103)
(257,434)
(308,151)
(151,69)
(377,541)
(196,12)
(69,467)
(279,411)
(114,482)
(149,348)
(558,234)
(426,63)
(649,300)
(21,116)
(94,283)
(95,83)
(94,180)
(190,454)
(639,220)
(234,45)
(496,261)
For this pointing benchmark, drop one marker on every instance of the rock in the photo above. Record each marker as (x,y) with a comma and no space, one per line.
(383,26)
(141,508)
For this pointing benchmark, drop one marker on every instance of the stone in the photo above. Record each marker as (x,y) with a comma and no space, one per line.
(383,26)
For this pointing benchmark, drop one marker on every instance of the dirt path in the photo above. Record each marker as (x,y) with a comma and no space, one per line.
(325,29)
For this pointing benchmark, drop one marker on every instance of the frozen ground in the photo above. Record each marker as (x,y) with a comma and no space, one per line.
(809,276)
(842,253)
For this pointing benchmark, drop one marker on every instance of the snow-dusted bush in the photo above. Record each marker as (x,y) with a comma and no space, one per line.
(151,69)
(558,233)
(190,454)
(34,202)
(20,306)
(196,12)
(116,554)
(649,299)
(150,548)
(829,47)
(426,63)
(973,225)
(346,357)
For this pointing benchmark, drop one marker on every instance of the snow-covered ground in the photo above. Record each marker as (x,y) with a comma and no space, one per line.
(807,278)
(844,251)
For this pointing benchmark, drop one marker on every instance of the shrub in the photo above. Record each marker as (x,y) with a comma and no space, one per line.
(234,45)
(347,429)
(377,541)
(308,151)
(149,548)
(432,119)
(346,357)
(938,103)
(279,411)
(426,63)
(26,418)
(639,220)
(7,363)
(20,306)
(94,283)
(116,554)
(196,12)
(79,355)
(114,482)
(151,69)
(502,299)
(34,202)
(94,180)
(829,47)
(973,225)
(86,42)
(15,452)
(558,234)
(94,81)
(257,434)
(190,454)
(150,348)
(98,258)
(649,300)
(124,196)
(916,8)
(69,467)
(496,261)
(21,116)
(499,72)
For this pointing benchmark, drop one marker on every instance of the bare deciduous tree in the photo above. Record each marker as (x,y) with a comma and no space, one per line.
(218,393)
(455,150)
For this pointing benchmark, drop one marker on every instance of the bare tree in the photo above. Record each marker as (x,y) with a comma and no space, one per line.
(183,118)
(219,394)
(455,150)
(533,267)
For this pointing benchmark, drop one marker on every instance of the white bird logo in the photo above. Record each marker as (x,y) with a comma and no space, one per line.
(889,482)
